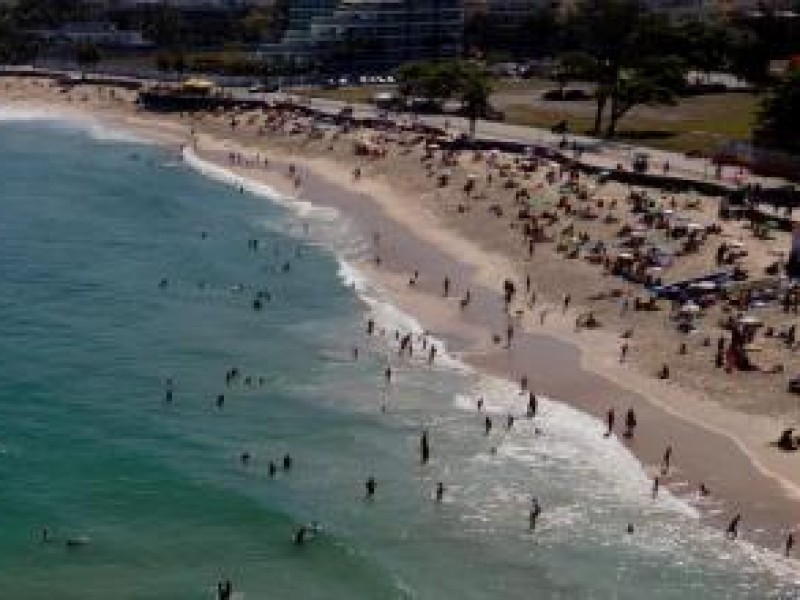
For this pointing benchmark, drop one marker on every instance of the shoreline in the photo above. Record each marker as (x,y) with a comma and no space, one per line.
(770,517)
(593,353)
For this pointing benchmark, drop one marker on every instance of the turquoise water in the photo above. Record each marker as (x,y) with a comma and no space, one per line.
(89,226)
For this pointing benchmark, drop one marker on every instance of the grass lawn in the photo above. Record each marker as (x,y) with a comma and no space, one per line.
(696,124)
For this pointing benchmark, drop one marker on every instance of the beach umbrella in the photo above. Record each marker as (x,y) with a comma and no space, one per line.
(690,308)
(750,320)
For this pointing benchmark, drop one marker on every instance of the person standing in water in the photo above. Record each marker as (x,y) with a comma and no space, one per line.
(487,426)
(533,516)
(425,449)
(732,532)
(439,492)
(666,460)
(371,485)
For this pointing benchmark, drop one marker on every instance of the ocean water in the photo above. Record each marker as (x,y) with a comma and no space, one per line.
(90,222)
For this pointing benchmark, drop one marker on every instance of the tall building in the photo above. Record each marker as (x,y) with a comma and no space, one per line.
(364,34)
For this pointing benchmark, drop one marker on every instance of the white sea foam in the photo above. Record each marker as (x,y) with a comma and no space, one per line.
(71,120)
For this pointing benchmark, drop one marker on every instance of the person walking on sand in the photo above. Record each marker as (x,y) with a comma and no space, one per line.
(446,286)
(732,532)
(610,418)
(531,405)
(567,300)
(388,375)
(630,423)
(487,425)
(787,547)
(656,485)
(623,353)
(666,460)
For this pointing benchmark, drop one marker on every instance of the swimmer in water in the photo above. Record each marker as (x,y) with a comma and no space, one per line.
(371,485)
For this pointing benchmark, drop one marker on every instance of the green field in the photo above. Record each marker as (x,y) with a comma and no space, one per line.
(696,124)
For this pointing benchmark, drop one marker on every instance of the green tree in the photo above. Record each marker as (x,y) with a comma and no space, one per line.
(655,82)
(474,90)
(607,29)
(627,47)
(432,80)
(778,124)
(575,65)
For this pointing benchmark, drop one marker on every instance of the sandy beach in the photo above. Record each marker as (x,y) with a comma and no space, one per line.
(720,425)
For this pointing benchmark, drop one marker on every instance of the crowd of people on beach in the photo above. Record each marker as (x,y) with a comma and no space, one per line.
(633,240)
